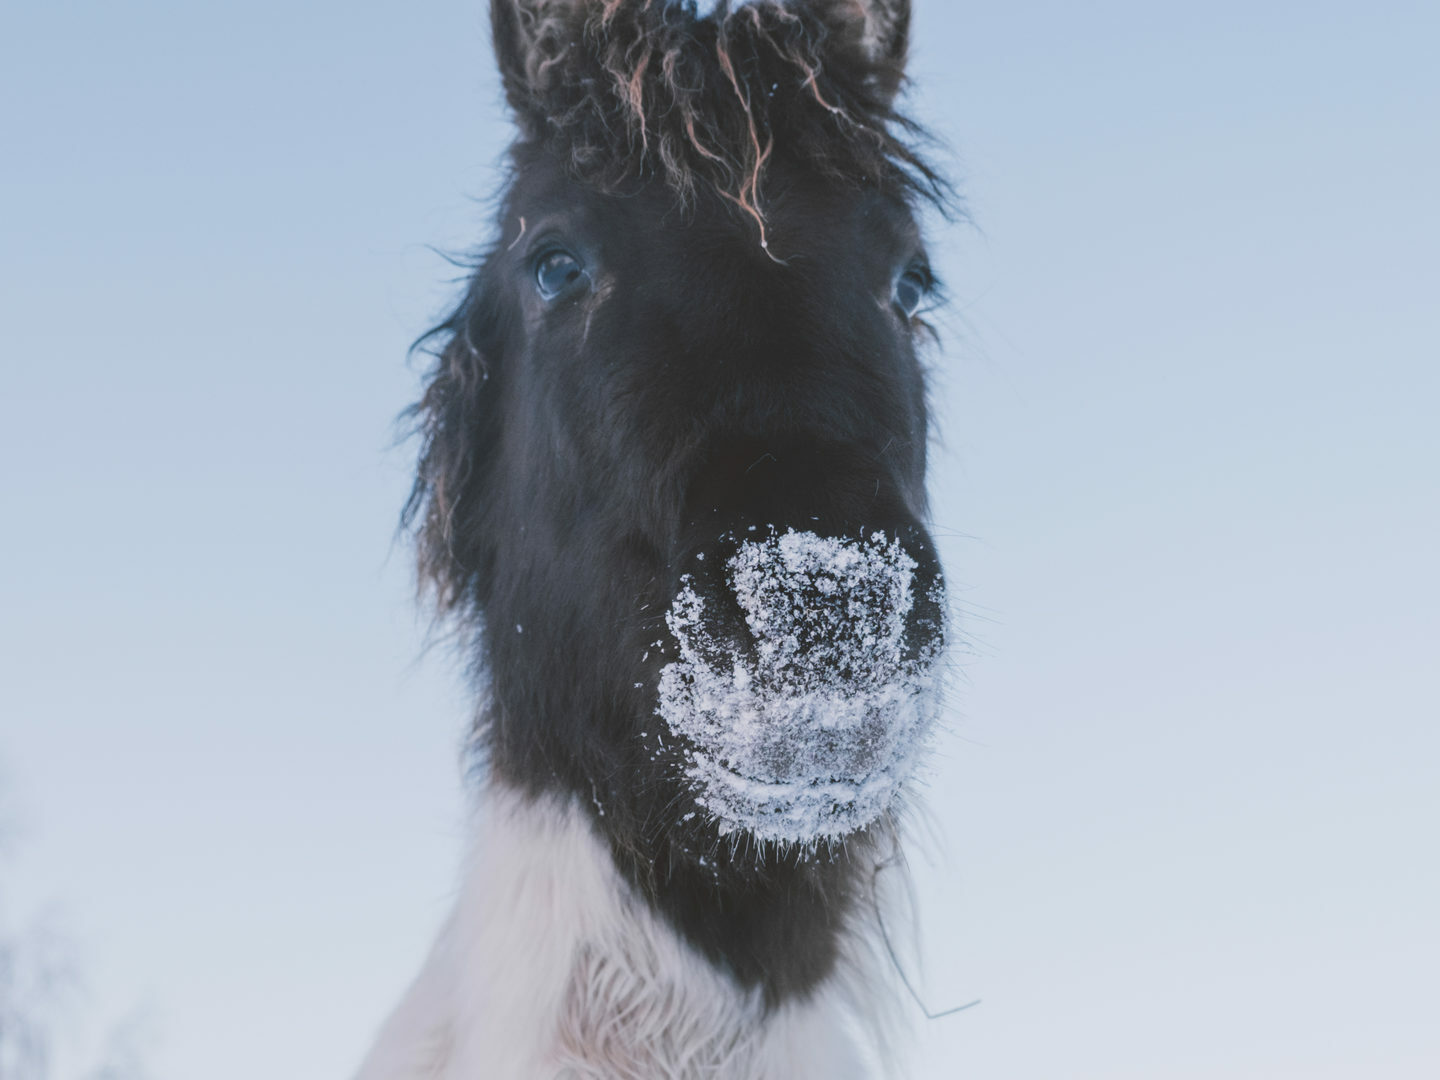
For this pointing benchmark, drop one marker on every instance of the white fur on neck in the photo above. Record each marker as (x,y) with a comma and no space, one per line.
(551,968)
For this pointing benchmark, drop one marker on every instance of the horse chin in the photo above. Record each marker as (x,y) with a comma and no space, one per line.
(808,730)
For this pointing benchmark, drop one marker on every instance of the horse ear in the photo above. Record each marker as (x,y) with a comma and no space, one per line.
(531,39)
(876,33)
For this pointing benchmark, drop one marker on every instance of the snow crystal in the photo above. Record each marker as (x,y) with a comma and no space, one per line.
(810,735)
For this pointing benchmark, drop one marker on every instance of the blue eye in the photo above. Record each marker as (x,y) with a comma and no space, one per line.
(911,290)
(557,272)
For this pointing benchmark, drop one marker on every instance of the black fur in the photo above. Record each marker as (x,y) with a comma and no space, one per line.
(582,454)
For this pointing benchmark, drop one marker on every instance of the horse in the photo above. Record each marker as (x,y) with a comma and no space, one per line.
(671,496)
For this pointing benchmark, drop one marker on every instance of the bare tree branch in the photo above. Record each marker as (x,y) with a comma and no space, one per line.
(40,987)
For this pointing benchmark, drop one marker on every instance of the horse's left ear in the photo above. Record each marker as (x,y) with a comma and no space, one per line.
(532,39)
(873,33)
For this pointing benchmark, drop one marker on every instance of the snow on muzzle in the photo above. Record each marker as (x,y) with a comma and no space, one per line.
(804,686)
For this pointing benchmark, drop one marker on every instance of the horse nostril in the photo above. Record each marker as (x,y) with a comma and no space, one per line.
(803,593)
(826,608)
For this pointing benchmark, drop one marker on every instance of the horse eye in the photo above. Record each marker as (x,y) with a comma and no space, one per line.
(911,290)
(557,272)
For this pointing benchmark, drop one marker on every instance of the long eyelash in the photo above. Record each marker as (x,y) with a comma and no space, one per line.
(936,293)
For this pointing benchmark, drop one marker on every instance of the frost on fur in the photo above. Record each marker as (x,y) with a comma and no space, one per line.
(809,736)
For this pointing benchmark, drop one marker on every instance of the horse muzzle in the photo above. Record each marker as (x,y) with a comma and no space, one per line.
(804,678)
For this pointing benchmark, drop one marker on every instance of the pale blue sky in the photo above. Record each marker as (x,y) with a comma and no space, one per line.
(1188,486)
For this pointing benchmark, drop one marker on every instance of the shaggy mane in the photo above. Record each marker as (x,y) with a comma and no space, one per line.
(630,90)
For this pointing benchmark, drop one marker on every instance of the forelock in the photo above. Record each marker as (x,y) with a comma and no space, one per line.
(626,91)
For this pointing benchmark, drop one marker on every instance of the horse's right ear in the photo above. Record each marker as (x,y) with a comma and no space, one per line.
(874,34)
(532,39)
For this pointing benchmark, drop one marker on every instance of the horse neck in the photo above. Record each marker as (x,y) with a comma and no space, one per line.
(551,966)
